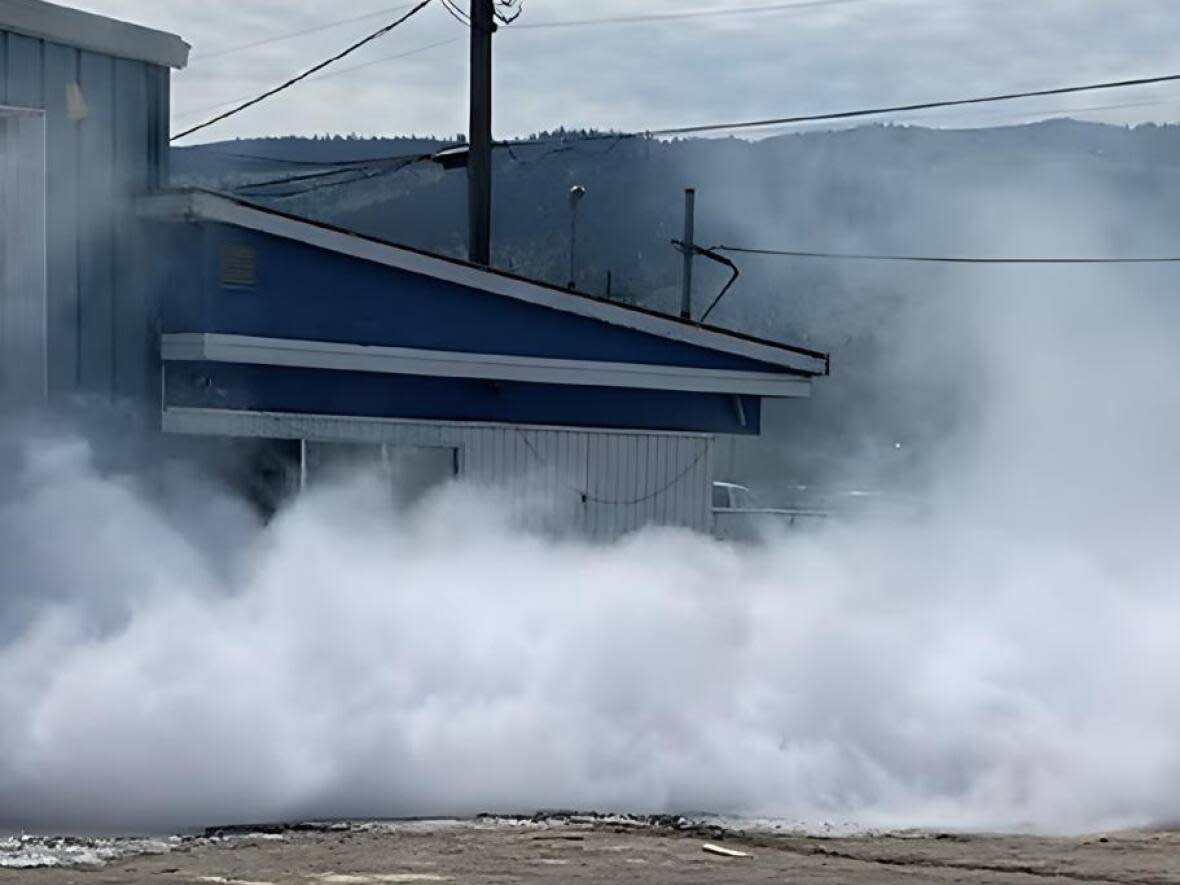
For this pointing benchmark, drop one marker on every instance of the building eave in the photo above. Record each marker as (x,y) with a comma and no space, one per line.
(331,356)
(98,33)
(204,206)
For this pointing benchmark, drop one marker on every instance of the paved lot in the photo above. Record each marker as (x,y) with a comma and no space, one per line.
(610,852)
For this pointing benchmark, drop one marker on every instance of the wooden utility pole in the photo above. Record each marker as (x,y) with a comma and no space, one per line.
(479,136)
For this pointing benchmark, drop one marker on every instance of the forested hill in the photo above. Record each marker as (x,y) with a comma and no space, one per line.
(899,334)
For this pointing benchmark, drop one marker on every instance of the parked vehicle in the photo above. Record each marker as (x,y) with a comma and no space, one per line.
(738,514)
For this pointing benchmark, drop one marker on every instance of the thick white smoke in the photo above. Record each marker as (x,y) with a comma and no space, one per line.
(1008,660)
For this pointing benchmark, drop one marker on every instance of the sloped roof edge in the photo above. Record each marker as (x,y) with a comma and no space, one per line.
(85,30)
(199,205)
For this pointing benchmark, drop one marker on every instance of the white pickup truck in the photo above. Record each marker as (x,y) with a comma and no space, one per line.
(738,514)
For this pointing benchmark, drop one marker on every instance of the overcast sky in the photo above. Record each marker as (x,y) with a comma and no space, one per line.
(648,75)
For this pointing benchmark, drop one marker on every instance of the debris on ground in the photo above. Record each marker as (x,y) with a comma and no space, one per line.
(588,849)
(724,852)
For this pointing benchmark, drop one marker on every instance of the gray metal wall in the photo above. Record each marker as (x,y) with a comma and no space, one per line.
(23,346)
(609,482)
(100,315)
(602,483)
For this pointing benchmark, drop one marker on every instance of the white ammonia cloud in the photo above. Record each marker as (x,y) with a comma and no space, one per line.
(1008,660)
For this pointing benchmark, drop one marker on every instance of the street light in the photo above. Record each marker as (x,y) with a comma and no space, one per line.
(576,194)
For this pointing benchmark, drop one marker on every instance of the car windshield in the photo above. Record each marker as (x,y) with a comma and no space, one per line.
(744,499)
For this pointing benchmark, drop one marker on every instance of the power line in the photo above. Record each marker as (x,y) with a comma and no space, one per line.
(315,164)
(330,169)
(336,73)
(879,111)
(381,32)
(690,14)
(321,164)
(360,175)
(713,127)
(310,176)
(866,112)
(363,168)
(456,13)
(564,143)
(291,35)
(343,168)
(920,106)
(942,259)
(1043,114)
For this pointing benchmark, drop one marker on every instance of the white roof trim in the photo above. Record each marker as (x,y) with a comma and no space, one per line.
(84,30)
(332,356)
(203,206)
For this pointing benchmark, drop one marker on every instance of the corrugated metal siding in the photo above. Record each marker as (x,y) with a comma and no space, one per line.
(22,258)
(22,313)
(602,483)
(98,306)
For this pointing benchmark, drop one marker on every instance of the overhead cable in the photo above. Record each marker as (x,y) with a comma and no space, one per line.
(919,106)
(688,14)
(456,13)
(945,259)
(339,72)
(314,164)
(381,32)
(291,35)
(315,176)
(357,175)
(328,169)
(864,112)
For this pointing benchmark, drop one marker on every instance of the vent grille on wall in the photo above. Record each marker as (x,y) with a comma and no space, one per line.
(238,266)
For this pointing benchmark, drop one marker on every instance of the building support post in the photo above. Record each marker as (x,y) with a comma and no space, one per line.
(688,248)
(576,194)
(479,136)
(573,283)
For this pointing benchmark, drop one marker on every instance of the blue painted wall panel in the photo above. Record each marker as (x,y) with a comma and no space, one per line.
(307,293)
(310,391)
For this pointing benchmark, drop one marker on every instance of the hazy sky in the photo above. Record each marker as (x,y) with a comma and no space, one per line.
(637,76)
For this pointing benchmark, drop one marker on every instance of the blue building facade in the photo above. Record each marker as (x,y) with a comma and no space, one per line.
(220,318)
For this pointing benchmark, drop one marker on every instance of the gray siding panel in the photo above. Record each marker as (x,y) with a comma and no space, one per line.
(132,335)
(159,125)
(628,479)
(25,86)
(22,248)
(62,146)
(96,241)
(3,67)
(22,258)
(100,309)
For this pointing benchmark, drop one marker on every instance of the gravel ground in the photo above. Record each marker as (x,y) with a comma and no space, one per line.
(611,850)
